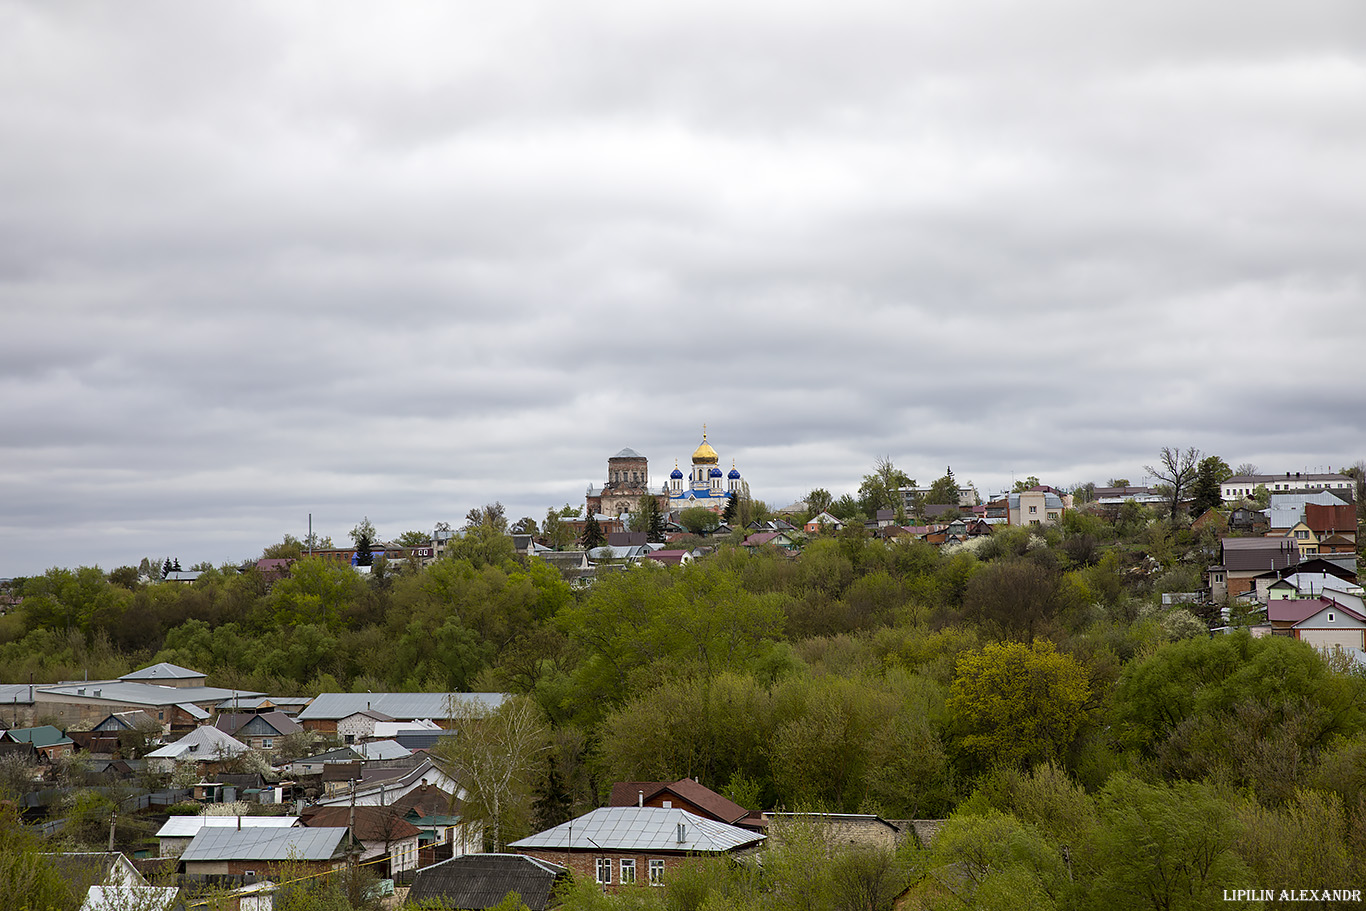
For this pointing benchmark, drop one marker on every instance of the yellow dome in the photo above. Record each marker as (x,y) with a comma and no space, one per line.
(704,455)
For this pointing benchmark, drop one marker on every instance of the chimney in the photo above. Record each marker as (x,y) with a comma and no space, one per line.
(682,833)
(640,798)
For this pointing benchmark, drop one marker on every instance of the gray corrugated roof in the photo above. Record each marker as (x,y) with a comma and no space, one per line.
(209,743)
(144,693)
(402,706)
(162,671)
(264,844)
(641,829)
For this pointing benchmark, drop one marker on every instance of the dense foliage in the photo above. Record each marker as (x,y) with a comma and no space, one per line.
(1089,747)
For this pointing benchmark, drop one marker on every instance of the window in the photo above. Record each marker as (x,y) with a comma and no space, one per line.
(1052,514)
(656,872)
(1033,521)
(605,870)
(1033,509)
(1330,616)
(628,870)
(267,743)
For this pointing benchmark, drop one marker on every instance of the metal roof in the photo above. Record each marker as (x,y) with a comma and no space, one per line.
(381,749)
(162,671)
(210,844)
(628,453)
(646,829)
(400,706)
(143,693)
(205,742)
(189,826)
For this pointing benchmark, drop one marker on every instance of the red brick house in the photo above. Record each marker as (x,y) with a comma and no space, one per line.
(617,846)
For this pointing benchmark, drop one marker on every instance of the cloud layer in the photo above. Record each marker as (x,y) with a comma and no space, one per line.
(262,260)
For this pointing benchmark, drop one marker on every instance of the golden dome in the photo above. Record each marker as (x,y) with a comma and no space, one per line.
(704,454)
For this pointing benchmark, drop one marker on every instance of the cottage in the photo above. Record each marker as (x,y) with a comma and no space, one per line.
(619,846)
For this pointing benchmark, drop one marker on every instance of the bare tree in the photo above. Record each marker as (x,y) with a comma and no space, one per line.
(498,757)
(1247,468)
(1177,469)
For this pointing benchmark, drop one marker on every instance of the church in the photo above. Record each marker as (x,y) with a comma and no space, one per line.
(706,486)
(628,479)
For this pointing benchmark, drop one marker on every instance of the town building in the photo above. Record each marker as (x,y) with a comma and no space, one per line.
(628,479)
(707,485)
(1241,486)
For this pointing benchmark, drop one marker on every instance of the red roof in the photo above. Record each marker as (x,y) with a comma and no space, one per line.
(630,793)
(1296,612)
(1330,518)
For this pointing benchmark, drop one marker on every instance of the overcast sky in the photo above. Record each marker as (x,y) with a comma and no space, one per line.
(261,260)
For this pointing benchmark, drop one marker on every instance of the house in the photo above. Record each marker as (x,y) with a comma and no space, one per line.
(1243,520)
(478,881)
(50,743)
(207,746)
(381,787)
(291,706)
(260,731)
(776,539)
(1036,506)
(177,708)
(572,565)
(685,794)
(178,831)
(437,815)
(101,877)
(141,898)
(254,852)
(670,557)
(1334,620)
(327,710)
(1328,521)
(822,522)
(381,831)
(273,569)
(618,846)
(360,725)
(1246,558)
(1240,486)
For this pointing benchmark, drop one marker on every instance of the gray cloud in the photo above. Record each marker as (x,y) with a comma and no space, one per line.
(259,261)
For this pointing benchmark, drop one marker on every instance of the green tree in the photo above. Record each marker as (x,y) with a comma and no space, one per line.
(818,501)
(648,518)
(1176,469)
(555,534)
(525,526)
(483,545)
(490,515)
(1015,598)
(413,539)
(1028,483)
(1164,847)
(698,519)
(882,489)
(1017,704)
(592,534)
(732,508)
(1206,491)
(944,490)
(363,537)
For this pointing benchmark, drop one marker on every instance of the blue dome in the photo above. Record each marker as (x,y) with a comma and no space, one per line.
(675,473)
(734,474)
(714,473)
